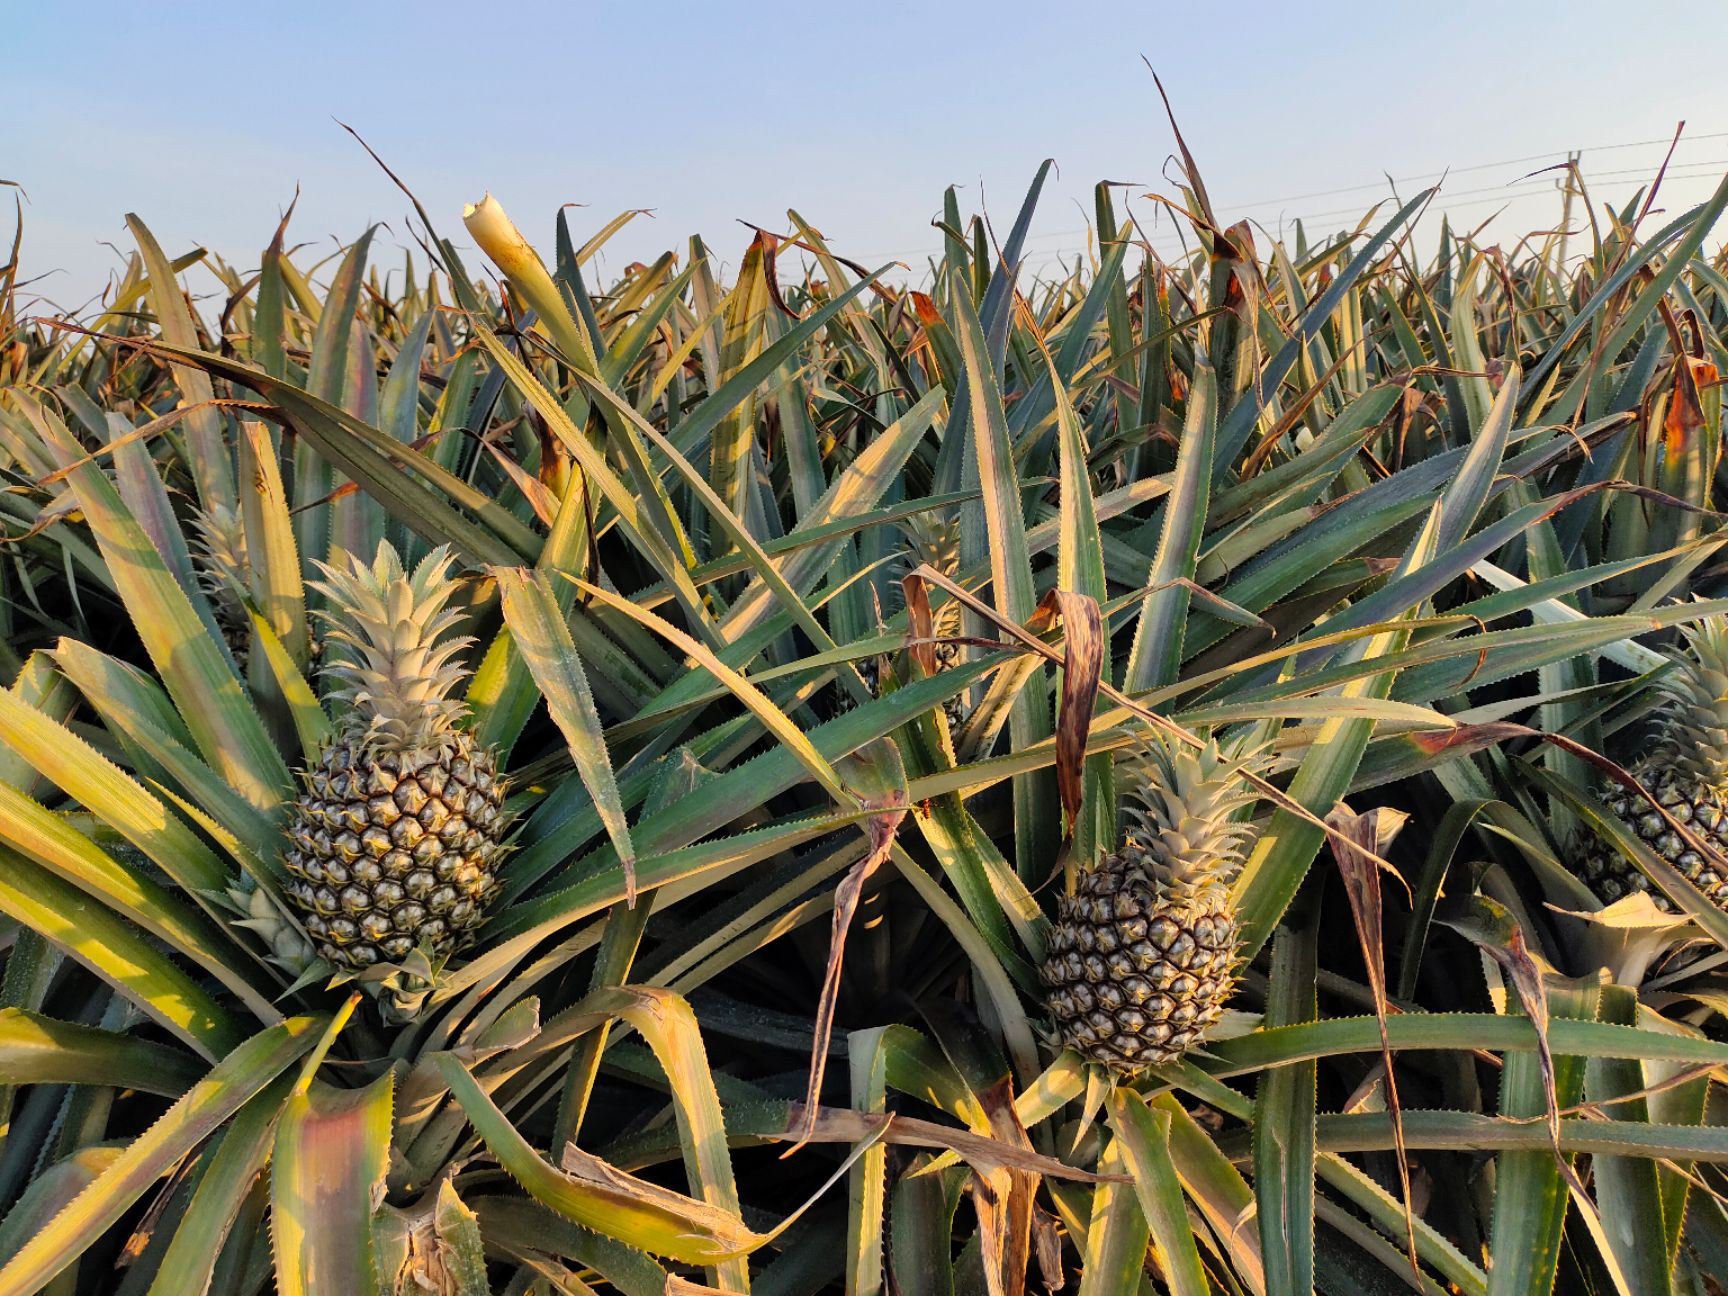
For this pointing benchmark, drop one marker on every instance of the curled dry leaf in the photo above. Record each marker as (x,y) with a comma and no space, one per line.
(877,776)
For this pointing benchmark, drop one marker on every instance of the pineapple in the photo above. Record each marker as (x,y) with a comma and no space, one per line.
(396,836)
(1141,957)
(933,538)
(1686,770)
(225,574)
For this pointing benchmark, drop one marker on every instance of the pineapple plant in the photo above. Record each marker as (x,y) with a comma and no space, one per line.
(1140,959)
(397,833)
(1687,771)
(173,1054)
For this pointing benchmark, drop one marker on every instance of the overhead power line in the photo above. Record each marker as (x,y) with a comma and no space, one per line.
(1479,166)
(1518,187)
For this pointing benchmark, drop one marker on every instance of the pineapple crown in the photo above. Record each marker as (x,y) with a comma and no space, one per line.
(389,652)
(221,549)
(1695,726)
(1182,812)
(934,537)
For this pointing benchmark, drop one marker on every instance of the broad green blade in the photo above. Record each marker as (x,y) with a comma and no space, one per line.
(1284,1123)
(1281,857)
(1454,1030)
(458,1228)
(55,843)
(995,530)
(234,1165)
(1116,1234)
(1143,1138)
(116,951)
(1158,634)
(1530,1191)
(669,1026)
(410,486)
(1628,1191)
(542,637)
(212,464)
(40,1050)
(594,1194)
(199,1114)
(195,670)
(64,759)
(332,1148)
(867,1186)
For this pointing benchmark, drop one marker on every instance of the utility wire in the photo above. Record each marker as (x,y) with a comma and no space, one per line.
(1509,192)
(1511,189)
(1479,166)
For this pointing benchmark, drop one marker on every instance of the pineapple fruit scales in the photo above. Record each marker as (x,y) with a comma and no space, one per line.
(1141,958)
(1687,771)
(397,834)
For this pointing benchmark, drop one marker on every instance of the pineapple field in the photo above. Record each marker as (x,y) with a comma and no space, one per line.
(762,772)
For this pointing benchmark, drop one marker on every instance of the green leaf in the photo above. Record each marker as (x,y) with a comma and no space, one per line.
(210,461)
(332,1148)
(64,759)
(410,485)
(867,1186)
(270,546)
(1628,1191)
(596,1195)
(1113,1260)
(1143,1138)
(55,843)
(543,638)
(117,952)
(198,1114)
(1274,1046)
(1281,857)
(1158,634)
(458,1228)
(1284,1124)
(1530,1197)
(195,670)
(40,1050)
(995,530)
(232,1167)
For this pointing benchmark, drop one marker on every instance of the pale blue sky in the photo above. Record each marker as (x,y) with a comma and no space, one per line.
(202,117)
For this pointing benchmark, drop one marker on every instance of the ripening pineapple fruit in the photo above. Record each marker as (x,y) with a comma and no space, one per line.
(933,538)
(225,574)
(1141,958)
(397,835)
(1687,770)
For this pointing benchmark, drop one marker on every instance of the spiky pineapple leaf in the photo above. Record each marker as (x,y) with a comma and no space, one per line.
(1281,857)
(35,1049)
(458,1228)
(410,485)
(116,951)
(593,1193)
(233,1166)
(1284,1111)
(327,1174)
(1143,1141)
(210,461)
(198,1114)
(138,713)
(194,668)
(1497,1033)
(543,638)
